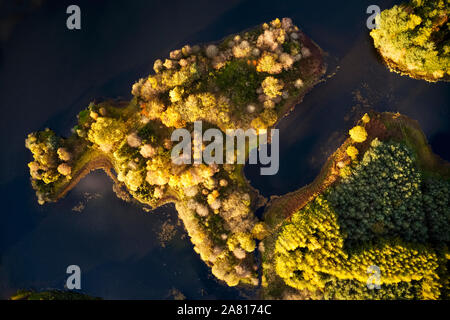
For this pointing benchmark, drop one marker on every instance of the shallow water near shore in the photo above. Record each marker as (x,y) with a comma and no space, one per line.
(48,74)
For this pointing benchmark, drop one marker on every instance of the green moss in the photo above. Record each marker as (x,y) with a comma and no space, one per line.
(83,117)
(239,80)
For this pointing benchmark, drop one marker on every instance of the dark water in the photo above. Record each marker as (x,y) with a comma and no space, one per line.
(48,73)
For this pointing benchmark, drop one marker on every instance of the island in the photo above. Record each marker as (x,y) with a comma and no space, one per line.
(413,39)
(374,224)
(247,81)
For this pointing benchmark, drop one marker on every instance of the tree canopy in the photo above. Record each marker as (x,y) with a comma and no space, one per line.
(414,38)
(379,215)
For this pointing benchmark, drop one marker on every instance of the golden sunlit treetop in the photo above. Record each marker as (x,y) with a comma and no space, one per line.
(358,134)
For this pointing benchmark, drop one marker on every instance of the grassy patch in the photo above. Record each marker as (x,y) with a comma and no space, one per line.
(239,80)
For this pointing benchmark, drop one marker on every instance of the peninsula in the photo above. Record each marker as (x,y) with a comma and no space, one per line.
(375,223)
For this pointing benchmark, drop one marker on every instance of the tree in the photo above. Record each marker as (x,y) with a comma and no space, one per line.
(365,118)
(352,152)
(172,118)
(64,169)
(272,87)
(107,133)
(268,63)
(44,145)
(375,216)
(358,134)
(176,94)
(413,38)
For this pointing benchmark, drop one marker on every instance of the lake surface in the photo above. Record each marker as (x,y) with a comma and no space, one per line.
(48,74)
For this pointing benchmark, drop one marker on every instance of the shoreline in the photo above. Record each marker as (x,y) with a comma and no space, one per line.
(397,68)
(100,162)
